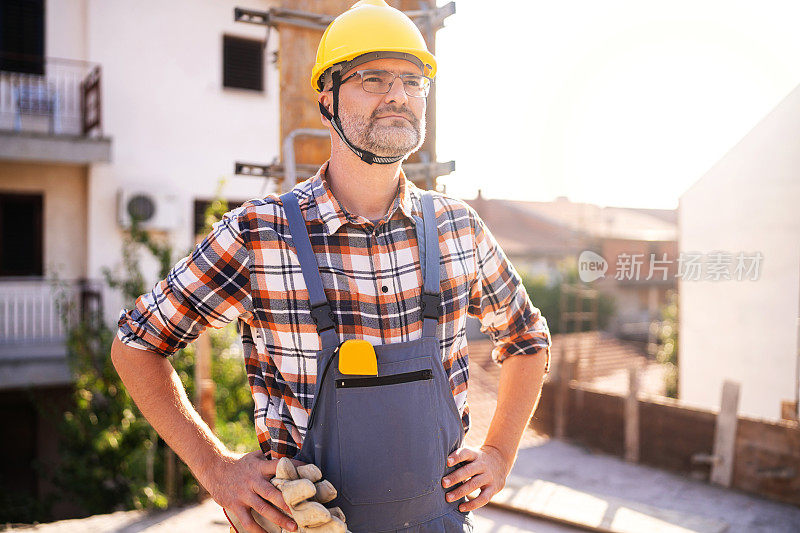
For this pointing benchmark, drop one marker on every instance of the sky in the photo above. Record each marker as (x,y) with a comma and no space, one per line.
(615,103)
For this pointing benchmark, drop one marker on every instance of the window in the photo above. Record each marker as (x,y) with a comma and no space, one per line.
(200,207)
(22,36)
(21,231)
(243,63)
(18,479)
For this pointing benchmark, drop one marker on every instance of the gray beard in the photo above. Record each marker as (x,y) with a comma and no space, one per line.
(383,137)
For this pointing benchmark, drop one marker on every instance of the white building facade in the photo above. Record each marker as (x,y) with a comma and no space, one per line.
(173,119)
(745,330)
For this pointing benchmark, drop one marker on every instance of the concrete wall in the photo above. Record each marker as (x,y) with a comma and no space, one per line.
(174,128)
(745,330)
(670,434)
(65,222)
(65,23)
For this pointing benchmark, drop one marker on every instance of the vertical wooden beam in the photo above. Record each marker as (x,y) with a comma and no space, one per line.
(205,388)
(429,146)
(789,410)
(298,101)
(169,475)
(632,415)
(566,371)
(725,435)
(595,321)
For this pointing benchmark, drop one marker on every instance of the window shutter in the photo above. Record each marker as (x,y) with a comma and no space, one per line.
(22,32)
(21,234)
(243,63)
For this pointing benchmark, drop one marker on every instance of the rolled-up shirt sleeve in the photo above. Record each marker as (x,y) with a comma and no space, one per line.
(499,300)
(209,287)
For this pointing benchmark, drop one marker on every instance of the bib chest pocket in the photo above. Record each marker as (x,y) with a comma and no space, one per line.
(389,433)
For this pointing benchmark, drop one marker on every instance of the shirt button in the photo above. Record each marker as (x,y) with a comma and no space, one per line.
(385,289)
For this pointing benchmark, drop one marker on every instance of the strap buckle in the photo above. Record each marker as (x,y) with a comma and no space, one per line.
(430,305)
(323,316)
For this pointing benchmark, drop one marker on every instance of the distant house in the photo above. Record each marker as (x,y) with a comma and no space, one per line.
(537,236)
(109,109)
(105,107)
(535,243)
(740,319)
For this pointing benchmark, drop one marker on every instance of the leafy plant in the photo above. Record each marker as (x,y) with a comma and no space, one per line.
(547,297)
(667,350)
(109,453)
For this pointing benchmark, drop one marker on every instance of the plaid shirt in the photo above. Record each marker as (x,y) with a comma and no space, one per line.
(246,269)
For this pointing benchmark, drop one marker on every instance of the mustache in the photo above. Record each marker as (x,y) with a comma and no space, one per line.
(403,112)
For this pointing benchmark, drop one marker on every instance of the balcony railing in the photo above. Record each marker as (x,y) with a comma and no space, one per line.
(49,95)
(39,312)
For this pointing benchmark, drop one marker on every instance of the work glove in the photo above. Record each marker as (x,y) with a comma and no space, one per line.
(304,491)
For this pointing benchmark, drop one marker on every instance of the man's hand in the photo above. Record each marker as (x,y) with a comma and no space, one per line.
(487,470)
(240,482)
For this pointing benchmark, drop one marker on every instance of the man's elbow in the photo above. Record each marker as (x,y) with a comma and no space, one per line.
(125,357)
(117,349)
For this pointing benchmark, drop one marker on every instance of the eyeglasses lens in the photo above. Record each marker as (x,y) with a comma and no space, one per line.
(380,82)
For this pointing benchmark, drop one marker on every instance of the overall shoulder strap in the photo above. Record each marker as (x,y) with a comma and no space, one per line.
(431,292)
(320,308)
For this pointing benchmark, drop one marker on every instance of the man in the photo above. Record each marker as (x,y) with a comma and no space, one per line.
(355,252)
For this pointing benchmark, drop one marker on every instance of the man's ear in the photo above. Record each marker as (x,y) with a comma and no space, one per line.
(326,99)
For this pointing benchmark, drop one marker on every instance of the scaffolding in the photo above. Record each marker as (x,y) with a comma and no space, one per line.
(423,172)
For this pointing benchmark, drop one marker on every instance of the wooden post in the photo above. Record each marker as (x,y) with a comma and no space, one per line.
(594,322)
(169,475)
(561,368)
(789,410)
(566,370)
(725,435)
(576,356)
(204,389)
(572,311)
(204,394)
(632,415)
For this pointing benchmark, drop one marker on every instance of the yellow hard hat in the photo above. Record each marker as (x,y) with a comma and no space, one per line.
(371,27)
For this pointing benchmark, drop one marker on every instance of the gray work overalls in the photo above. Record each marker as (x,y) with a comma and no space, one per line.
(382,441)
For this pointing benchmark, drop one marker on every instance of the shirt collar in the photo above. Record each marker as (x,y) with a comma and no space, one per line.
(334,216)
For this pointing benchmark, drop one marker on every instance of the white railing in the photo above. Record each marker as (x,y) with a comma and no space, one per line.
(33,311)
(49,95)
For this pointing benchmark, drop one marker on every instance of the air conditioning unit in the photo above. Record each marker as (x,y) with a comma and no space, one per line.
(158,211)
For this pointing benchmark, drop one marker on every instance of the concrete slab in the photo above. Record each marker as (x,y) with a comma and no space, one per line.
(553,501)
(647,490)
(207,517)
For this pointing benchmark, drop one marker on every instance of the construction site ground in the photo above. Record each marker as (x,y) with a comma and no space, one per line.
(555,486)
(600,492)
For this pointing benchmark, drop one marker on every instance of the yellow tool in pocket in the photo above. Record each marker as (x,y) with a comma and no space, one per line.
(357,356)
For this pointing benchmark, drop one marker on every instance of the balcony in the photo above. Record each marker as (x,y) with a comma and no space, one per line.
(35,316)
(50,110)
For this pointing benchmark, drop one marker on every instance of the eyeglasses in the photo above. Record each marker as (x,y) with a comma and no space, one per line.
(381,81)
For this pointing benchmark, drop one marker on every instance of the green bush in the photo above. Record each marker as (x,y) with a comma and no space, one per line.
(110,457)
(104,439)
(667,351)
(547,298)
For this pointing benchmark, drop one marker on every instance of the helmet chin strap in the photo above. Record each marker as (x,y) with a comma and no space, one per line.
(365,155)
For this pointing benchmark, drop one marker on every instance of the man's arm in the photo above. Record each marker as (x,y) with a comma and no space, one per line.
(521,379)
(237,482)
(208,288)
(522,342)
(159,394)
